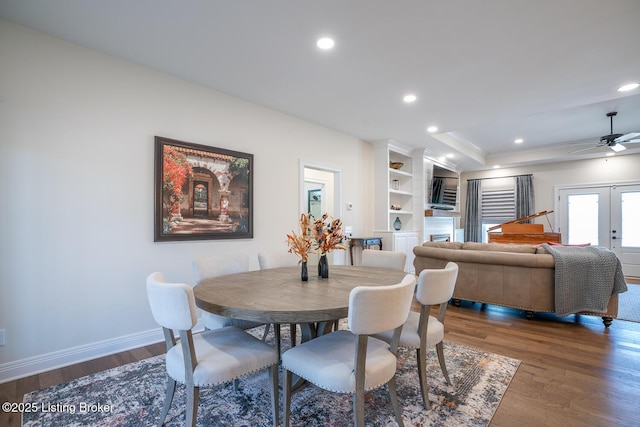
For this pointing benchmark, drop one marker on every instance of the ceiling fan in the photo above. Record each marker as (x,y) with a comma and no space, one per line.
(614,141)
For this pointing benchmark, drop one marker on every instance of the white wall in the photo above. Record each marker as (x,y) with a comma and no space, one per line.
(546,177)
(77,130)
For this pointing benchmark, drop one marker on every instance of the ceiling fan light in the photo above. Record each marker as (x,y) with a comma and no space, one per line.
(618,147)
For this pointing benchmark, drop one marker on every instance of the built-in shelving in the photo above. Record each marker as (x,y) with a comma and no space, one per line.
(395,197)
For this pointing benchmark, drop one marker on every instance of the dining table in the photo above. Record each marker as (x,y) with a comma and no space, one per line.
(279,296)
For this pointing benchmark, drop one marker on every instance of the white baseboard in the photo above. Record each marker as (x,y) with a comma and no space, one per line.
(46,362)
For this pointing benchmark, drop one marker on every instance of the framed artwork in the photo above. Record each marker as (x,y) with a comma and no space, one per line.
(201,192)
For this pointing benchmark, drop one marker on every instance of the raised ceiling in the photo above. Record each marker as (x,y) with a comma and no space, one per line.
(484,72)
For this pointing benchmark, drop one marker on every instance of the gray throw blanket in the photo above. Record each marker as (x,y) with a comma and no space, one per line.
(586,277)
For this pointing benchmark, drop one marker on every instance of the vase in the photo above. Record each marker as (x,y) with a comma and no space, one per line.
(397,224)
(304,273)
(323,267)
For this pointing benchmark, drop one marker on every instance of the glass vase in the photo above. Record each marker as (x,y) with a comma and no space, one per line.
(323,267)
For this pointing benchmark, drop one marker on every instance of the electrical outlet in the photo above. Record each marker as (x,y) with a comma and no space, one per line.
(1,337)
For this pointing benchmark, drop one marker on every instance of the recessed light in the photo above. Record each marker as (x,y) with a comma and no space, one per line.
(450,155)
(409,98)
(628,87)
(432,129)
(325,43)
(519,141)
(496,166)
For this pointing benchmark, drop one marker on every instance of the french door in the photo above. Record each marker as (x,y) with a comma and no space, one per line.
(603,215)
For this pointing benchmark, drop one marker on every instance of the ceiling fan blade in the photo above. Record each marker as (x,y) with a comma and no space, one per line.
(627,136)
(633,141)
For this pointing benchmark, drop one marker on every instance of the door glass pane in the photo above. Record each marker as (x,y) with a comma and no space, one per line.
(630,225)
(583,219)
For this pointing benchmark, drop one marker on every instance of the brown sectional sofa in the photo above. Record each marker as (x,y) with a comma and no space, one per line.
(510,275)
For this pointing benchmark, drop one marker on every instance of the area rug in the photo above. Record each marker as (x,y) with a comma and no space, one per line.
(629,303)
(133,395)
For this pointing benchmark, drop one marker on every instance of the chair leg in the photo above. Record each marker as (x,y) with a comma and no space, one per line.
(443,366)
(267,328)
(393,393)
(358,408)
(275,407)
(193,394)
(421,358)
(286,399)
(168,398)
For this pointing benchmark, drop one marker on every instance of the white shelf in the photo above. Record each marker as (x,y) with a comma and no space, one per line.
(400,172)
(401,193)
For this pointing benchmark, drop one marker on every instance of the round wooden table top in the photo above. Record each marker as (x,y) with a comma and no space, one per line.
(278,295)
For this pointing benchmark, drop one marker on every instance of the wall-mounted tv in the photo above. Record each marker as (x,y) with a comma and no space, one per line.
(444,189)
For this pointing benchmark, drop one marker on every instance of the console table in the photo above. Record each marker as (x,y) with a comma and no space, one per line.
(364,242)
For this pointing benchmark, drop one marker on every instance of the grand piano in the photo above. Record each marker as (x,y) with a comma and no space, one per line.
(515,232)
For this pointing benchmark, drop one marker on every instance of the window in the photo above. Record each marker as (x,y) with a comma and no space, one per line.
(498,206)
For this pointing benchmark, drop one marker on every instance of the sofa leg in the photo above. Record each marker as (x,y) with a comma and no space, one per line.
(607,321)
(529,314)
(456,302)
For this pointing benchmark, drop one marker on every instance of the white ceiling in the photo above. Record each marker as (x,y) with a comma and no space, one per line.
(485,72)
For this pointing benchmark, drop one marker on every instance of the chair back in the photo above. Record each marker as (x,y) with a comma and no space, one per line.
(375,309)
(436,286)
(219,265)
(276,260)
(384,259)
(172,304)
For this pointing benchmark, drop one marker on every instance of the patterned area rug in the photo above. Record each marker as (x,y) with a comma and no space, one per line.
(133,395)
(629,302)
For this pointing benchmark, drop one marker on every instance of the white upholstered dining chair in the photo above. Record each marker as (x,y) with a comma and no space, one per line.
(216,266)
(353,361)
(421,330)
(384,259)
(209,358)
(276,259)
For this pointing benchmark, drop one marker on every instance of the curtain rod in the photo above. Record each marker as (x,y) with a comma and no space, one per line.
(499,177)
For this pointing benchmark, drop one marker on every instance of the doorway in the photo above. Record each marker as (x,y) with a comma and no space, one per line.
(603,215)
(321,193)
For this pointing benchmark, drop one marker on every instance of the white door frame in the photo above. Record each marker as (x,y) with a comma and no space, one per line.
(339,257)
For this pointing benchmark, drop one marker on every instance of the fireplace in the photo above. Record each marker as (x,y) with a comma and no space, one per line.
(440,238)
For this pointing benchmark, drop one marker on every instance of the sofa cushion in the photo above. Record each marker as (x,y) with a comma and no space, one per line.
(500,247)
(444,245)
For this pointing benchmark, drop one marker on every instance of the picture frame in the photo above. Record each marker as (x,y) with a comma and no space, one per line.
(201,192)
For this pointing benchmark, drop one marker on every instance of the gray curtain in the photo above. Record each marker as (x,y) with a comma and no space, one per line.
(437,189)
(525,201)
(473,212)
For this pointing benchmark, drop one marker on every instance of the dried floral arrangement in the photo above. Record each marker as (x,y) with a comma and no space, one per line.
(327,233)
(301,244)
(322,234)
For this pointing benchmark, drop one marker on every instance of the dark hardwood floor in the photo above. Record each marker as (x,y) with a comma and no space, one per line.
(574,372)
